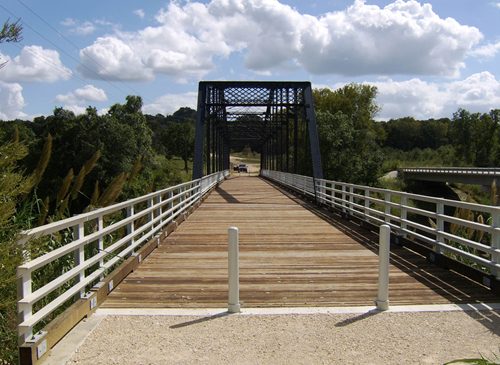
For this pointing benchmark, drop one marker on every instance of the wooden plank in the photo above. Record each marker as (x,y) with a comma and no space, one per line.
(289,256)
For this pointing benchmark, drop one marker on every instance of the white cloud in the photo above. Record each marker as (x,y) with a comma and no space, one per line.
(88,93)
(169,103)
(75,108)
(401,38)
(497,4)
(405,37)
(487,51)
(11,101)
(479,92)
(34,63)
(140,13)
(69,22)
(113,59)
(85,28)
(77,27)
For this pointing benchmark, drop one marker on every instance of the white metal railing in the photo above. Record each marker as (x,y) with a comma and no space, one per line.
(453,170)
(450,227)
(90,244)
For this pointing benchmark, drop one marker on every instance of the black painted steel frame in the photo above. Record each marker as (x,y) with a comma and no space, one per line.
(277,115)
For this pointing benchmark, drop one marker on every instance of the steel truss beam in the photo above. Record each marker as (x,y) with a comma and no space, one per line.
(276,116)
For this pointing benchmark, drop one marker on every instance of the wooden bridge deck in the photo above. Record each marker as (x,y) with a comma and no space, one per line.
(289,256)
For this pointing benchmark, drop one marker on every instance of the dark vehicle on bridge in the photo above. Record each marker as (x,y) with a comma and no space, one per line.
(242,167)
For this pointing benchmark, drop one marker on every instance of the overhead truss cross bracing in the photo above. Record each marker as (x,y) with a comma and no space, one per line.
(275,118)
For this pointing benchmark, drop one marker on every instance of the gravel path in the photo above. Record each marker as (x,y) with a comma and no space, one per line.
(371,338)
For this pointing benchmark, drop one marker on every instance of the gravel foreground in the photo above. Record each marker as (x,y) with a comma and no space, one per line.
(370,338)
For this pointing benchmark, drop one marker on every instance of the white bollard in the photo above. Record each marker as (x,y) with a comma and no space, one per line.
(382,301)
(233,305)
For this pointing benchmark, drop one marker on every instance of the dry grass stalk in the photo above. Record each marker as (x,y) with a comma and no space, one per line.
(63,191)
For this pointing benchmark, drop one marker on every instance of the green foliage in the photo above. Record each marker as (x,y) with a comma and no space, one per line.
(407,133)
(11,32)
(475,136)
(347,134)
(14,187)
(395,159)
(354,100)
(493,360)
(469,139)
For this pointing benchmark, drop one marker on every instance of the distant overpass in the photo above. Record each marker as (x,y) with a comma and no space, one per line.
(464,175)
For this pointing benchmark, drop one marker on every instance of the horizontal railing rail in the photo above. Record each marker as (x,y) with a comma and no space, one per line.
(453,170)
(465,232)
(84,248)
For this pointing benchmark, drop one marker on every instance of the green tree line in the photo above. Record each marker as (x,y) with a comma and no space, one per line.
(356,148)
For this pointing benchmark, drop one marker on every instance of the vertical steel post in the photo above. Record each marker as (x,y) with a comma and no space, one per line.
(313,133)
(199,133)
(287,132)
(208,144)
(233,305)
(295,132)
(382,301)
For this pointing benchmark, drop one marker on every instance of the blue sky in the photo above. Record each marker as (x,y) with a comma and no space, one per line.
(427,58)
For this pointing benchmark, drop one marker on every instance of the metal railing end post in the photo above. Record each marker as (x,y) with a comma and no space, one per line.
(233,305)
(382,301)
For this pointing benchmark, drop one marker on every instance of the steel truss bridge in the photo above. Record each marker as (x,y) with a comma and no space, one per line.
(276,117)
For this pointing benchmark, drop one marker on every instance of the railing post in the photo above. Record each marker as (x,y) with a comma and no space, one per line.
(382,301)
(233,305)
(439,226)
(324,196)
(100,241)
(181,197)
(387,209)
(367,202)
(170,204)
(151,214)
(24,311)
(131,225)
(404,214)
(159,211)
(79,233)
(351,199)
(495,244)
(343,199)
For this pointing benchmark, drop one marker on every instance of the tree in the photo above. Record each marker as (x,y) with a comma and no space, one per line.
(178,140)
(354,100)
(11,32)
(347,133)
(347,154)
